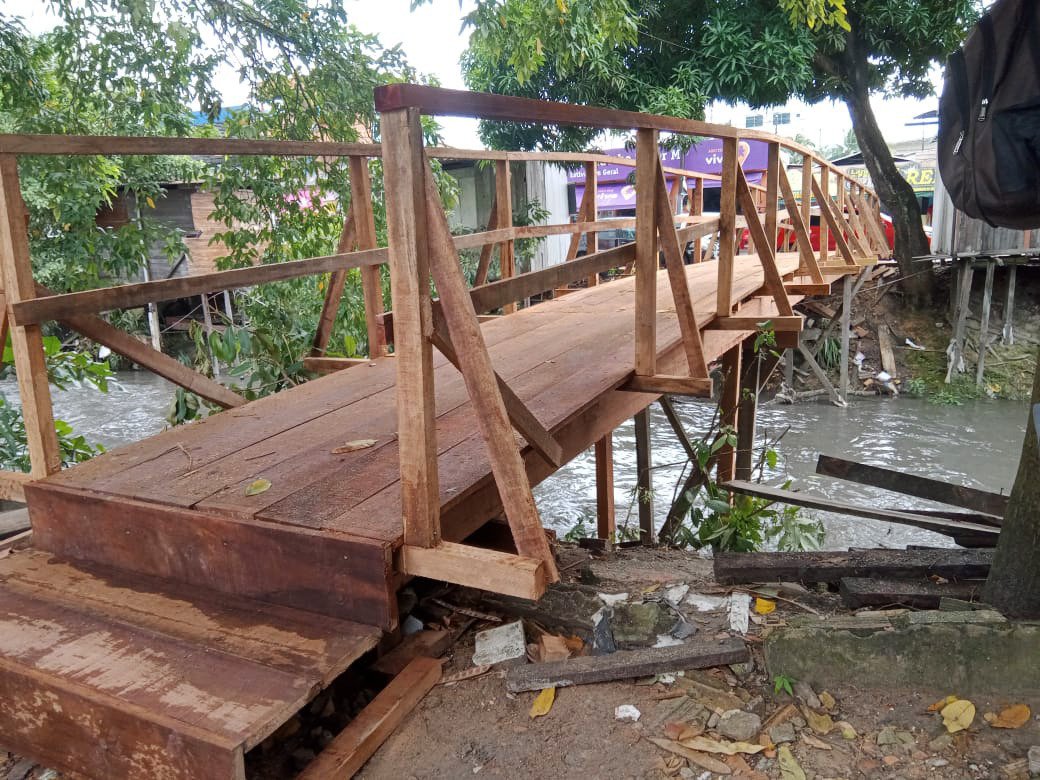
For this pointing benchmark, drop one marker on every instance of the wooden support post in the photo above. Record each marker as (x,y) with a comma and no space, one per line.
(806,204)
(822,193)
(727,226)
(371,279)
(729,406)
(26,340)
(789,368)
(1008,334)
(591,213)
(644,477)
(486,251)
(481,381)
(504,204)
(956,352)
(647,164)
(846,312)
(772,192)
(697,197)
(987,300)
(404,176)
(669,242)
(334,293)
(746,414)
(605,517)
(207,322)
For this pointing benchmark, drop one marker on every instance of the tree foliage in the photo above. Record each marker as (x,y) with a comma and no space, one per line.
(673,56)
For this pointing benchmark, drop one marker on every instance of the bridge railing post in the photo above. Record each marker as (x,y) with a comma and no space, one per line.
(727,226)
(504,211)
(647,156)
(26,340)
(404,183)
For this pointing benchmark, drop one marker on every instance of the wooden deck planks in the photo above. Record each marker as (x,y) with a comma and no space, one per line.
(113,675)
(559,357)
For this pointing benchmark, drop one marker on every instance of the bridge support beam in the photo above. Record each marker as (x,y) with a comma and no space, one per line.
(644,477)
(605,518)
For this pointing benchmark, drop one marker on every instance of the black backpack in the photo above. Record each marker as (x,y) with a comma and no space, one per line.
(989,118)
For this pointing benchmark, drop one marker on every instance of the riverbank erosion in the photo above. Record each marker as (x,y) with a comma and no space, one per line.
(897,349)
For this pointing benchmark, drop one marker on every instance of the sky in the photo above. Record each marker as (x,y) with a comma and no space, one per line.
(432,38)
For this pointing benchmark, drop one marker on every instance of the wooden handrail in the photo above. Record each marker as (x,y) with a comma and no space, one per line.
(123,296)
(437,101)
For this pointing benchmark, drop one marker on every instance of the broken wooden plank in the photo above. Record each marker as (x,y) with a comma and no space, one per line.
(735,568)
(857,592)
(888,355)
(359,741)
(421,644)
(626,664)
(977,500)
(939,525)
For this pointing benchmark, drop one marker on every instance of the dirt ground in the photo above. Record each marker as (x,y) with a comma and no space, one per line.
(474,727)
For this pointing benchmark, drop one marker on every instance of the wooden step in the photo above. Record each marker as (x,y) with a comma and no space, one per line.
(113,675)
(326,572)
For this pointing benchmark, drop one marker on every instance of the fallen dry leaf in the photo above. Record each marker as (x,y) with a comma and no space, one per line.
(790,769)
(679,730)
(703,760)
(258,486)
(707,745)
(827,701)
(942,703)
(821,724)
(764,606)
(958,715)
(812,741)
(543,702)
(352,446)
(1013,717)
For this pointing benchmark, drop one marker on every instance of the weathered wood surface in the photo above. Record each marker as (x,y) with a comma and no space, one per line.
(859,592)
(349,751)
(146,678)
(564,359)
(939,525)
(476,567)
(626,664)
(291,566)
(735,568)
(983,501)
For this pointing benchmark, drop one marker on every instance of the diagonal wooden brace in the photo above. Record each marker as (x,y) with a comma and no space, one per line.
(521,417)
(673,260)
(801,232)
(837,226)
(464,334)
(764,248)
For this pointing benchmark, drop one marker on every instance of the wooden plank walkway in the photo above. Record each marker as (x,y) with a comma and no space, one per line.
(175,504)
(115,675)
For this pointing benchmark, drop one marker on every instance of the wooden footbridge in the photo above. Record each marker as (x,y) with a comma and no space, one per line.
(165,621)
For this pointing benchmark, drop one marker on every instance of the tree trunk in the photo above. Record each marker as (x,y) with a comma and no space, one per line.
(896,194)
(1013,586)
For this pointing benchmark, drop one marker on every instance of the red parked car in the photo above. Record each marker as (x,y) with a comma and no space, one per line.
(814,235)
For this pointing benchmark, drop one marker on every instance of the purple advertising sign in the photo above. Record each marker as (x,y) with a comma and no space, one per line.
(611,196)
(702,157)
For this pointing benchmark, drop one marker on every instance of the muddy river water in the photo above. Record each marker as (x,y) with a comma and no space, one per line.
(976,444)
